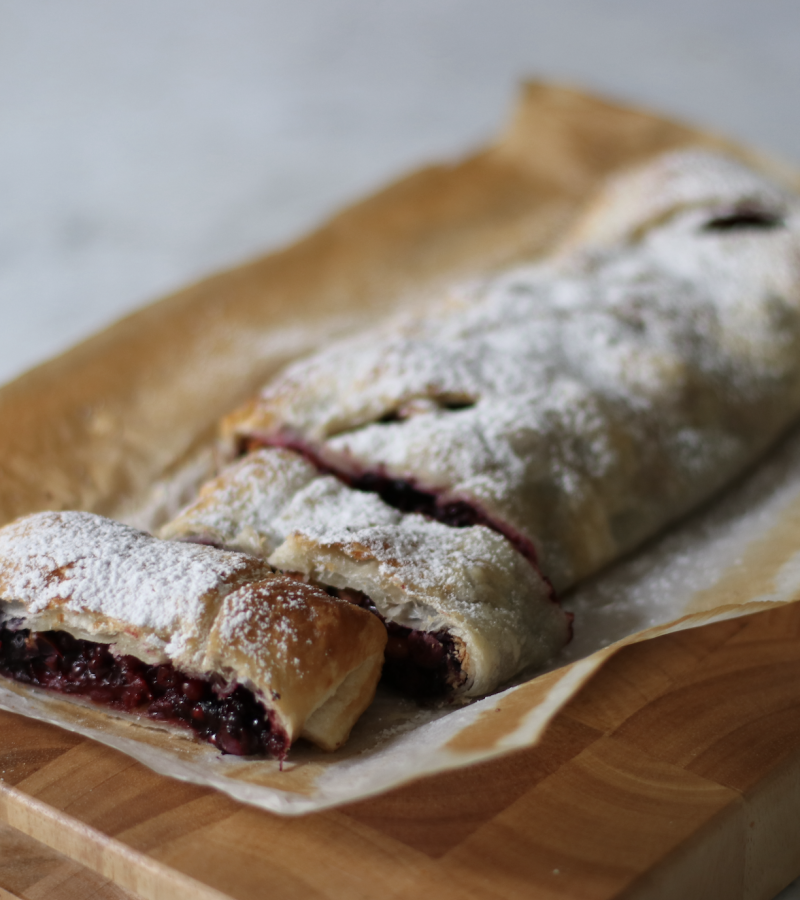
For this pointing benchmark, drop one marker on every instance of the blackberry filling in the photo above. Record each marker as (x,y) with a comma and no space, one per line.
(405,497)
(226,715)
(421,664)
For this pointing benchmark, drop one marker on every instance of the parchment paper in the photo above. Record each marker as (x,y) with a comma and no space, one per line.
(123,425)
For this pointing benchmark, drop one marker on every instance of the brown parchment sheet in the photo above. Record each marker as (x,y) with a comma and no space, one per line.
(124,425)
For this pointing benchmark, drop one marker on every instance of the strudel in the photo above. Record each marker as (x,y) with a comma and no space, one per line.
(182,634)
(573,406)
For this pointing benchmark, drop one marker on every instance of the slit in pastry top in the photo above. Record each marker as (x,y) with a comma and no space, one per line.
(578,404)
(182,634)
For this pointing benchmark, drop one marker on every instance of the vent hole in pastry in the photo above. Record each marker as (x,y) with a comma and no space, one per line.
(426,405)
(745,219)
(457,405)
(226,715)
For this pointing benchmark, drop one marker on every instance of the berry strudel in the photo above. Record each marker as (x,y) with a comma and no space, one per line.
(577,405)
(182,634)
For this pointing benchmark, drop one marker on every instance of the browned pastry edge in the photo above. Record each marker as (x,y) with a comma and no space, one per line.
(341,647)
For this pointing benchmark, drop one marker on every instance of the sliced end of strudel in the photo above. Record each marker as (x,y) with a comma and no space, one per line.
(181,634)
(318,661)
(464,612)
(463,609)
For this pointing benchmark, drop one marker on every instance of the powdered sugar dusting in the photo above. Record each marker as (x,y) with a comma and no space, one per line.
(236,511)
(328,509)
(409,547)
(266,630)
(87,563)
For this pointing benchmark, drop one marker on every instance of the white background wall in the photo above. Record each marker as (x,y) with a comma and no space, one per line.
(144,144)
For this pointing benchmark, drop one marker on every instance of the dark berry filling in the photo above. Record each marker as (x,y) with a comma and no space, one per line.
(404,496)
(226,715)
(421,664)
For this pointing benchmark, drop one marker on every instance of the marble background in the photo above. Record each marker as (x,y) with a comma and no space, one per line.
(146,144)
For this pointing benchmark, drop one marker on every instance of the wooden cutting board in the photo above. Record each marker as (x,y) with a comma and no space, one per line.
(674,774)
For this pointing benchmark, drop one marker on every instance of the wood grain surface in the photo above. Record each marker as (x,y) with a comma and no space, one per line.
(30,870)
(674,773)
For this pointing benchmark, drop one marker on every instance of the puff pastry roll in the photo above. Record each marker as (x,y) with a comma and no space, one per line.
(464,610)
(579,404)
(182,634)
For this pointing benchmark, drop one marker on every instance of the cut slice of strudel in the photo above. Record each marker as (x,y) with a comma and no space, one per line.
(464,610)
(579,404)
(182,634)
